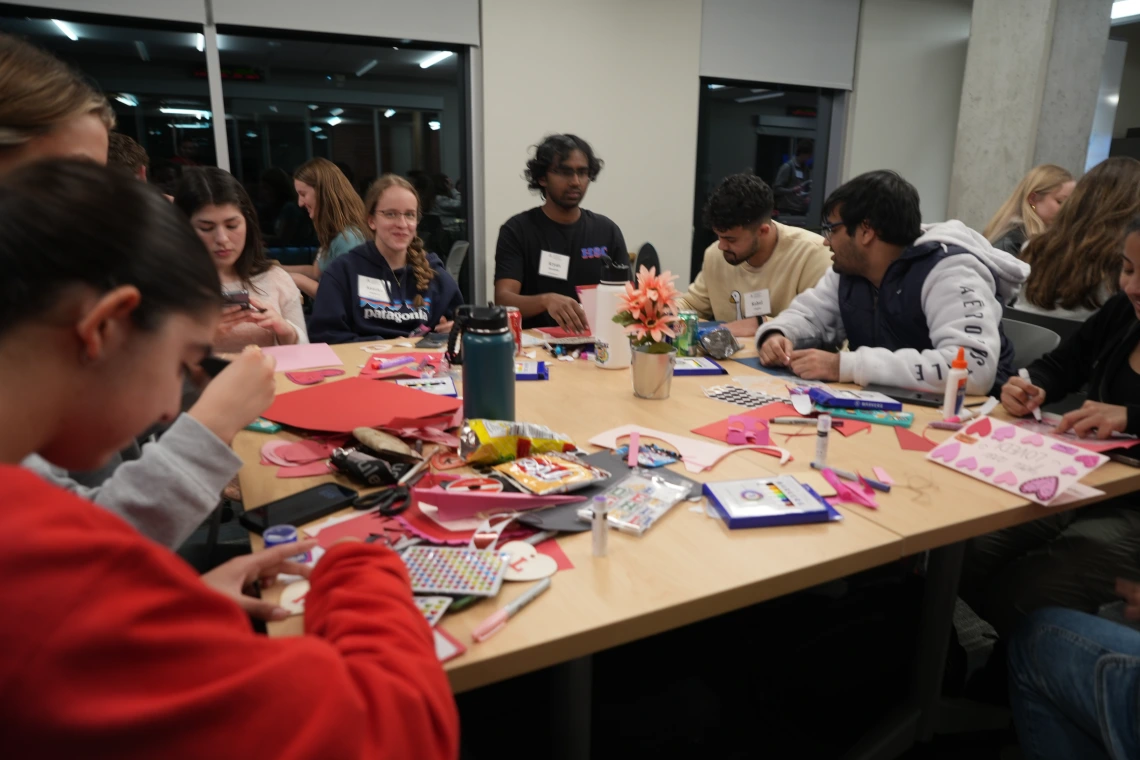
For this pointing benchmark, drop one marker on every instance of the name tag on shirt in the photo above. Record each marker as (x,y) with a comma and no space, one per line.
(799,174)
(757,303)
(371,289)
(556,265)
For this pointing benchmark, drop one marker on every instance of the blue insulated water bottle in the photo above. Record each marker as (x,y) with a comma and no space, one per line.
(487,355)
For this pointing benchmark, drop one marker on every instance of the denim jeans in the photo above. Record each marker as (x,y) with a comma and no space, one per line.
(1075,687)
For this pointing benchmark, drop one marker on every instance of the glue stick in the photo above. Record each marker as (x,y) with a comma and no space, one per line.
(600,527)
(822,430)
(955,394)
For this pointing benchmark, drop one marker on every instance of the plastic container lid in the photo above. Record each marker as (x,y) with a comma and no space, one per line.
(485,318)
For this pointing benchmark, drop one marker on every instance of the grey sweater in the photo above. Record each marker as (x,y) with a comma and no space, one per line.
(168,490)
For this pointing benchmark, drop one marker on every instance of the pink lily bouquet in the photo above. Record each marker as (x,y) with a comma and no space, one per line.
(650,309)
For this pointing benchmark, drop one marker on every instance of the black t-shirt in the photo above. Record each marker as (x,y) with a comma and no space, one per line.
(525,236)
(1124,388)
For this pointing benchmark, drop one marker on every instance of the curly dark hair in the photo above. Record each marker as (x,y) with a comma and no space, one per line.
(553,150)
(741,200)
(884,200)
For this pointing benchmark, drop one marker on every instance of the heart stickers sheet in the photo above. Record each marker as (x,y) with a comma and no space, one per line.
(1034,466)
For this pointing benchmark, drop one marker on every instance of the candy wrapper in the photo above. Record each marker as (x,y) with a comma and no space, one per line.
(550,474)
(495,441)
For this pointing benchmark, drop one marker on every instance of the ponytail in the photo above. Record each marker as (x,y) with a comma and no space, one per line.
(417,260)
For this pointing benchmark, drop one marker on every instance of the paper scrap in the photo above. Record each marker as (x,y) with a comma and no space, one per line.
(913,442)
(303,356)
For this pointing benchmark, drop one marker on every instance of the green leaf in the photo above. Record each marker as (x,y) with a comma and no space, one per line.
(624,318)
(659,348)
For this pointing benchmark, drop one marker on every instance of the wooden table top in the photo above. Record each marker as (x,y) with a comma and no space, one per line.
(690,567)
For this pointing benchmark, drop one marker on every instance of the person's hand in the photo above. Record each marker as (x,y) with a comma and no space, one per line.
(1020,397)
(1095,419)
(1129,591)
(231,578)
(270,319)
(776,350)
(567,312)
(444,325)
(814,364)
(743,328)
(238,395)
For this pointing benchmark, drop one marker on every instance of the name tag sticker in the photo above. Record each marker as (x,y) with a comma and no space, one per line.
(556,265)
(757,303)
(372,289)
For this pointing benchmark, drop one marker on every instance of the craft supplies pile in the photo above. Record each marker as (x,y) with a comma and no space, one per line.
(475,502)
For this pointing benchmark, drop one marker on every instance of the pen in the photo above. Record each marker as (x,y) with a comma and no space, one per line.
(1023,373)
(848,475)
(498,619)
(803,421)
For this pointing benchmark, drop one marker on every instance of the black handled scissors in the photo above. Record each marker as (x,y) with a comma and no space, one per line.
(388,502)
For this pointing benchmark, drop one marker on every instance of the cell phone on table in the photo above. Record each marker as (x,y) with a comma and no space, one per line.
(432,340)
(300,508)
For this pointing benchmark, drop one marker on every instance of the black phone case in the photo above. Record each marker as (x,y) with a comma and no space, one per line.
(300,508)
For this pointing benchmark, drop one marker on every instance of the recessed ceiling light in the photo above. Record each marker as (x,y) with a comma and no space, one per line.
(322,137)
(200,42)
(366,67)
(316,128)
(273,109)
(313,107)
(140,46)
(186,112)
(434,125)
(251,134)
(127,99)
(66,29)
(336,111)
(389,113)
(334,121)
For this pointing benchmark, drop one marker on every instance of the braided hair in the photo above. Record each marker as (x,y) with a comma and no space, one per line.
(417,255)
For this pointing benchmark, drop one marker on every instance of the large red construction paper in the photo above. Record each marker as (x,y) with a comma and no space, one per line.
(342,406)
(719,430)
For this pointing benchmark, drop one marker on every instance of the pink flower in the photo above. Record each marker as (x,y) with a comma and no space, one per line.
(651,305)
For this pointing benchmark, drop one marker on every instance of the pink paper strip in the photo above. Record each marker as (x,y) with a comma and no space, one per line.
(303,356)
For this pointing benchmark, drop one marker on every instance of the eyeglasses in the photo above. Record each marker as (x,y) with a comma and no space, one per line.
(411,217)
(567,172)
(827,228)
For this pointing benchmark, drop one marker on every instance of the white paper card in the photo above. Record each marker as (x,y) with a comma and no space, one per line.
(757,303)
(372,289)
(556,265)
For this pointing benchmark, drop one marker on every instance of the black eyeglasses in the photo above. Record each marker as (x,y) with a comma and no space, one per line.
(827,228)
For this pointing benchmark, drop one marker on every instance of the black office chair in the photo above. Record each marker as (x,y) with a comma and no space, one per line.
(1030,342)
(1063,327)
(646,257)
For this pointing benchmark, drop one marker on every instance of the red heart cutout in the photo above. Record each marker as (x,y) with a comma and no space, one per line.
(981,428)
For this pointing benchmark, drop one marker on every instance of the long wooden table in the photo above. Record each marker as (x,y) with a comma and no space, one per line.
(689,567)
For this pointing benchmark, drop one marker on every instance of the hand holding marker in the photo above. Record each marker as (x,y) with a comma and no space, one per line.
(1024,375)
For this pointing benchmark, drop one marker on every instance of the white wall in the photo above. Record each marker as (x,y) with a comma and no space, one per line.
(622,75)
(908,85)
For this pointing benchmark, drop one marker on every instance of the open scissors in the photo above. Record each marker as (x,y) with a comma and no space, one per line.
(388,502)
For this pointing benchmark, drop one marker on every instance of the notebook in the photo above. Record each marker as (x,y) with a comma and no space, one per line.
(762,502)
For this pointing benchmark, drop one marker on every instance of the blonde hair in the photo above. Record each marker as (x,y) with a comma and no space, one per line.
(1079,255)
(338,206)
(417,256)
(40,93)
(1017,209)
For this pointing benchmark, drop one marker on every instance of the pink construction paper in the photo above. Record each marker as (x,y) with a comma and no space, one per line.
(1090,444)
(303,356)
(1034,467)
(696,455)
(454,505)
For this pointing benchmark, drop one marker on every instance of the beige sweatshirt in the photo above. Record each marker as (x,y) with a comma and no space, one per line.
(797,264)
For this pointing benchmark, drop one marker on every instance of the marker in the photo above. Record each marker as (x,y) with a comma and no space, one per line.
(854,477)
(823,427)
(1023,373)
(395,362)
(803,421)
(498,620)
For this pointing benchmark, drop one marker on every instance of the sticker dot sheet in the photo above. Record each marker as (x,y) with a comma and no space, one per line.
(741,396)
(433,607)
(456,571)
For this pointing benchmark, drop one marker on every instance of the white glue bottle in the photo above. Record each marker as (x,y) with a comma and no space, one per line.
(611,344)
(955,386)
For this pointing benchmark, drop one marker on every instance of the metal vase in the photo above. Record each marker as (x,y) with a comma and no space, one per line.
(652,373)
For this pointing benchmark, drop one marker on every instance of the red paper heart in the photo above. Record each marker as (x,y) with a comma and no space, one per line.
(981,428)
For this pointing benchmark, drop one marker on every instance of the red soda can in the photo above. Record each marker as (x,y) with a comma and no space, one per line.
(514,318)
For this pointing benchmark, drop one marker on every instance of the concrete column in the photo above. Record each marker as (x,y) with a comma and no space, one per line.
(1028,97)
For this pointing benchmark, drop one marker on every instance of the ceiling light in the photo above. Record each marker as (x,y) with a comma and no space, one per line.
(273,109)
(366,68)
(334,121)
(716,86)
(315,128)
(313,107)
(1112,99)
(765,96)
(336,111)
(66,29)
(189,126)
(140,46)
(434,125)
(127,99)
(186,112)
(389,113)
(251,134)
(200,41)
(435,58)
(1121,9)
(322,137)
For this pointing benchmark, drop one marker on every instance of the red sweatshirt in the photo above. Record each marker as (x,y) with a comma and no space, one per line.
(111,646)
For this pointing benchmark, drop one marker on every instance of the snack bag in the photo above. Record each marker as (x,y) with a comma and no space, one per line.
(494,441)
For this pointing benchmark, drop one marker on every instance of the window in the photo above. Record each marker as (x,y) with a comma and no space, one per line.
(153,75)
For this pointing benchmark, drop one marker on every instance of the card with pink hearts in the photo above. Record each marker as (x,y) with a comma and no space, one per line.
(1034,466)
